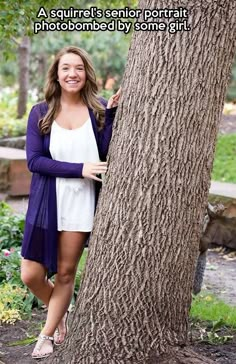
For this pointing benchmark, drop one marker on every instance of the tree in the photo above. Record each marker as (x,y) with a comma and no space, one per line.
(24,55)
(16,18)
(135,296)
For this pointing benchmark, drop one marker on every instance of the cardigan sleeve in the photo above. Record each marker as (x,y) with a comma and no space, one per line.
(104,135)
(36,159)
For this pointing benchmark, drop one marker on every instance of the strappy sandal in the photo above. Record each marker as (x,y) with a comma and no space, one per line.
(37,350)
(57,333)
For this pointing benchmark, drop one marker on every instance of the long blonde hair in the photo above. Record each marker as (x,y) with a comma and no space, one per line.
(88,92)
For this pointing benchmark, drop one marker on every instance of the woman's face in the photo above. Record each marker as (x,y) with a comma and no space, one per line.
(71,73)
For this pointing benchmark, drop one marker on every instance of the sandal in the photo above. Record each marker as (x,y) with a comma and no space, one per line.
(37,354)
(57,334)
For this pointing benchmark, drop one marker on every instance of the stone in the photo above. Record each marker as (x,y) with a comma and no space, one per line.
(15,177)
(16,142)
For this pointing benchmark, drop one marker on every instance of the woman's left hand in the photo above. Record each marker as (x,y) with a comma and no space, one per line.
(114,100)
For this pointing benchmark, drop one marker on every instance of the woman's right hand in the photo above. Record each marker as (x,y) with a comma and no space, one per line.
(91,169)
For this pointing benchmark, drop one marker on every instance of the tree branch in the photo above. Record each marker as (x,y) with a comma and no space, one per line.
(15,41)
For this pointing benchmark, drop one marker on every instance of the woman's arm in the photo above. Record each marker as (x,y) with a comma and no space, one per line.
(104,136)
(37,162)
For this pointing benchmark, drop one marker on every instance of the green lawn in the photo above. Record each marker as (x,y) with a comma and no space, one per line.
(206,307)
(224,168)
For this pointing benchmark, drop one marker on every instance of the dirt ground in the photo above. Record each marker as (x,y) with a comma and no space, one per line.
(214,282)
(220,278)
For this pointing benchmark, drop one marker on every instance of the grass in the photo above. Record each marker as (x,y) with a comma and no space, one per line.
(225,159)
(206,307)
(80,270)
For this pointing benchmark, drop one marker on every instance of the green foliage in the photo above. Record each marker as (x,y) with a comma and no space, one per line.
(225,159)
(12,303)
(12,227)
(231,92)
(16,19)
(10,267)
(10,126)
(108,53)
(106,94)
(206,307)
(214,333)
(80,270)
(10,262)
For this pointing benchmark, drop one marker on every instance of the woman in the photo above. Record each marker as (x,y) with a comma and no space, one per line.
(67,142)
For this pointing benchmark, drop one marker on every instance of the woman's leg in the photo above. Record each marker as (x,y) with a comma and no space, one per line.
(70,248)
(33,275)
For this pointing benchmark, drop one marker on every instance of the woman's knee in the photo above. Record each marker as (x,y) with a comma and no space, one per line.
(66,275)
(32,274)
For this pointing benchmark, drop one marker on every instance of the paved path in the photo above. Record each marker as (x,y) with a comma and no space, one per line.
(223,189)
(220,276)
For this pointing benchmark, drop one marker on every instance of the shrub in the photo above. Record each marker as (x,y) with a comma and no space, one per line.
(10,267)
(10,126)
(12,227)
(12,302)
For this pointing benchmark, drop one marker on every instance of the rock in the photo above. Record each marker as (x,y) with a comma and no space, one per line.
(17,142)
(14,174)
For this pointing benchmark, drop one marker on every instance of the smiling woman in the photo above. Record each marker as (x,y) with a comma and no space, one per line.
(67,142)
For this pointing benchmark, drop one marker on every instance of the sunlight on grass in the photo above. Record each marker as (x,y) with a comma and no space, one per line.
(225,159)
(206,307)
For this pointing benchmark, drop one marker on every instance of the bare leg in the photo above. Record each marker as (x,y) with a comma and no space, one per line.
(33,274)
(70,248)
(57,297)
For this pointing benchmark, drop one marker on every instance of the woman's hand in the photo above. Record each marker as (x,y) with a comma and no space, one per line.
(91,169)
(114,99)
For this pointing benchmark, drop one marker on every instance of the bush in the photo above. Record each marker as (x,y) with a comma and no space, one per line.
(10,267)
(10,126)
(12,302)
(12,227)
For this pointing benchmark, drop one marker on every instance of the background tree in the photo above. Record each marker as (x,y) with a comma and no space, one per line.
(16,25)
(16,30)
(136,293)
(24,57)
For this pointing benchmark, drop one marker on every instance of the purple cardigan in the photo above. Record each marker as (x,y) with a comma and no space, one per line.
(40,234)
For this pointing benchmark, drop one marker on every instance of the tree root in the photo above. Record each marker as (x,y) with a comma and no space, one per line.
(181,356)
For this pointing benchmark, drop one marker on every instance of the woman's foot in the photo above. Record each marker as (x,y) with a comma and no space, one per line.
(61,331)
(43,347)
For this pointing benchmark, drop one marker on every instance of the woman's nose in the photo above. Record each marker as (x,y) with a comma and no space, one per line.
(72,72)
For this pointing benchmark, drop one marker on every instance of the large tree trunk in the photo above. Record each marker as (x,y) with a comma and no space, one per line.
(135,297)
(24,55)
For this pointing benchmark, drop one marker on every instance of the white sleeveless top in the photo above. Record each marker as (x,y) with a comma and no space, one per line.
(75,196)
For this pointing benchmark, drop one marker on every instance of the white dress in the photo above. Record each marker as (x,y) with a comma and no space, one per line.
(75,196)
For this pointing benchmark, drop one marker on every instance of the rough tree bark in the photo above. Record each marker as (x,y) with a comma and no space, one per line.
(24,55)
(135,297)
